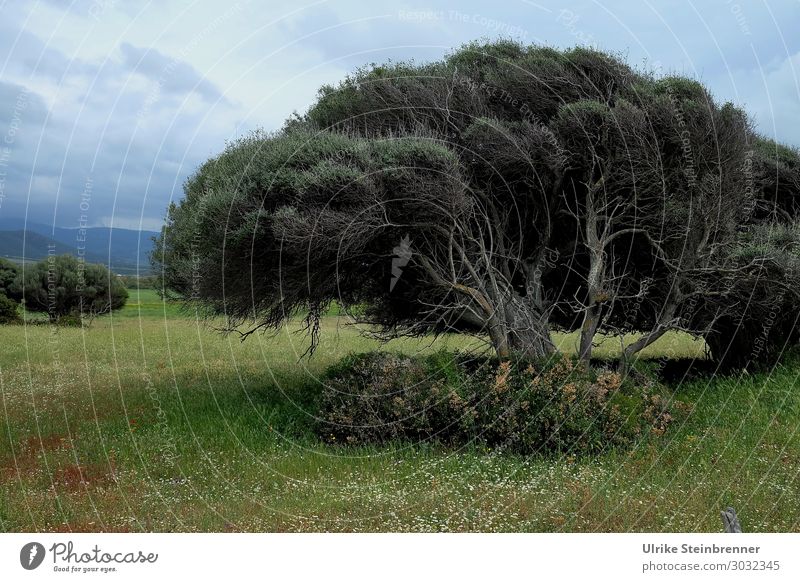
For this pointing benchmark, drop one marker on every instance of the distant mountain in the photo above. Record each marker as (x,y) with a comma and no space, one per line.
(19,245)
(123,249)
(117,244)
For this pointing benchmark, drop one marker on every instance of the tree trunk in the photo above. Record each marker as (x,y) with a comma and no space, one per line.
(595,278)
(592,311)
(527,328)
(639,345)
(499,337)
(664,324)
(591,321)
(531,340)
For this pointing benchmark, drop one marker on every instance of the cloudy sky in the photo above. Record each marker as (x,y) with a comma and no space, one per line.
(107,106)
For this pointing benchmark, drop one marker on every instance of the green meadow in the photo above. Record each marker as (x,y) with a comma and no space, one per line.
(152,420)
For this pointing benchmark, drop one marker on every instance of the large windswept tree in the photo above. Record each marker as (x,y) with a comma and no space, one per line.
(505,190)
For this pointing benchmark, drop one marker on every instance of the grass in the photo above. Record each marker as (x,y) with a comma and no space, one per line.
(150,420)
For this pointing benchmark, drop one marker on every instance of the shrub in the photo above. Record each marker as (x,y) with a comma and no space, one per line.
(8,310)
(557,406)
(377,397)
(63,285)
(8,272)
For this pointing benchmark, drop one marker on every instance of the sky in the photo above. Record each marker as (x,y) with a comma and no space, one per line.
(106,107)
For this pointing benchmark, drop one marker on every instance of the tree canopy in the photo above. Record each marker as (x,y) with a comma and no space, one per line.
(505,190)
(62,285)
(8,272)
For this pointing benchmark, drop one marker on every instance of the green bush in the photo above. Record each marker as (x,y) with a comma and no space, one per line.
(377,397)
(8,310)
(8,272)
(63,285)
(558,406)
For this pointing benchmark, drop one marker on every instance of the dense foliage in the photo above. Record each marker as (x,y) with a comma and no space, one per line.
(64,286)
(8,273)
(505,190)
(517,407)
(9,310)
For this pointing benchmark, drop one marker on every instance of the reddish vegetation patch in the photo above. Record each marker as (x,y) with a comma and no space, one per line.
(33,444)
(24,462)
(77,477)
(10,472)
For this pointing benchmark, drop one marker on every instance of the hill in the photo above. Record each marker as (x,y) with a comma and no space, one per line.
(21,245)
(124,250)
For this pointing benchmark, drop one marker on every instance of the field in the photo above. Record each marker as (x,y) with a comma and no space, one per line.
(152,421)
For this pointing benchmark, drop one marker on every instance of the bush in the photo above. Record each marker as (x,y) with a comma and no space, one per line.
(559,406)
(63,285)
(377,397)
(8,272)
(8,310)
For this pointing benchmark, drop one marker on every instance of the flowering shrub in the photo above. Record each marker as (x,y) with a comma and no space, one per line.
(558,406)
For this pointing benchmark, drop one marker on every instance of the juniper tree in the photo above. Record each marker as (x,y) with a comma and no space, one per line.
(505,190)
